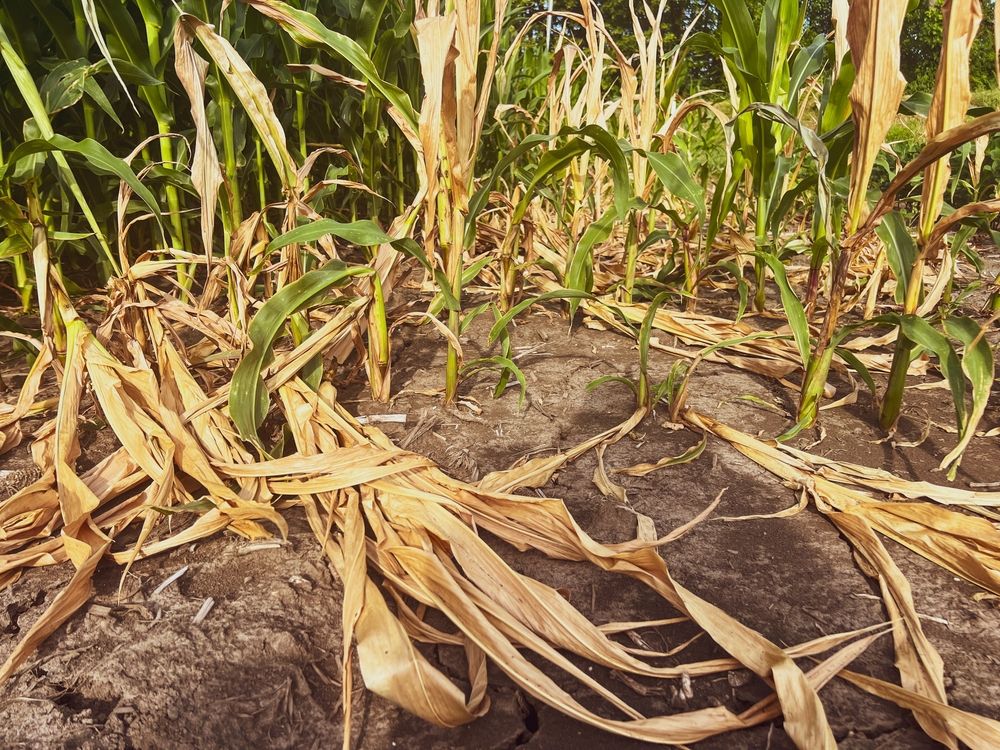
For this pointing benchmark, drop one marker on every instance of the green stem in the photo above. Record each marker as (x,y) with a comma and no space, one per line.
(813,386)
(453,270)
(400,176)
(631,258)
(300,122)
(761,244)
(892,403)
(261,192)
(229,155)
(179,232)
(818,366)
(80,26)
(225,104)
(24,286)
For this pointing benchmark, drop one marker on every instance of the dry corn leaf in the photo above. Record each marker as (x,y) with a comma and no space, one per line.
(873,31)
(950,102)
(950,539)
(206,174)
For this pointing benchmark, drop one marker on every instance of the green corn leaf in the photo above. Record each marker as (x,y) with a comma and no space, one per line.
(900,250)
(363,232)
(469,316)
(507,368)
(480,199)
(816,148)
(96,155)
(248,396)
(673,172)
(978,366)
(807,62)
(90,13)
(737,30)
(859,367)
(12,246)
(742,288)
(33,100)
(63,86)
(444,298)
(309,31)
(96,94)
(605,379)
(580,270)
(646,329)
(60,24)
(781,207)
(501,325)
(408,246)
(604,144)
(792,305)
(924,335)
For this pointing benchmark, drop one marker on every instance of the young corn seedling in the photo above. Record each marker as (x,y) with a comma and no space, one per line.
(647,392)
(503,362)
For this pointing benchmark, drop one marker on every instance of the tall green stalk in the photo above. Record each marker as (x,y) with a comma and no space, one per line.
(80,25)
(153,24)
(760,241)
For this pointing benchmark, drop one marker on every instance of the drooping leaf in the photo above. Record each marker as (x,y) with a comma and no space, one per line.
(792,306)
(873,32)
(978,366)
(363,232)
(952,94)
(901,250)
(248,397)
(672,171)
(96,155)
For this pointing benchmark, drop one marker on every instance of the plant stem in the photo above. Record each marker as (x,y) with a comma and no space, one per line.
(631,257)
(400,176)
(760,238)
(229,154)
(892,403)
(80,26)
(261,192)
(508,271)
(453,270)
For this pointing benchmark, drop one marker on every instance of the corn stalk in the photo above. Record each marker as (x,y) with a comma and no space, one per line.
(948,107)
(873,31)
(451,122)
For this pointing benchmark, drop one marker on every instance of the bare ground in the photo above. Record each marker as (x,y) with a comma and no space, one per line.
(261,669)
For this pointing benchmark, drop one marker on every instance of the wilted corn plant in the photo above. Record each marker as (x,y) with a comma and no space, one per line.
(175,436)
(873,34)
(454,109)
(948,107)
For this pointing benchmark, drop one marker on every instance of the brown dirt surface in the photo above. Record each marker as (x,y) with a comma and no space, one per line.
(262,668)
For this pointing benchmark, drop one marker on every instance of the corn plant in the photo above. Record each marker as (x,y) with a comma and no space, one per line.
(951,100)
(765,66)
(251,180)
(873,35)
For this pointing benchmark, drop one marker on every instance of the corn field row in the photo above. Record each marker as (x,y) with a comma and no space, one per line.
(208,206)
